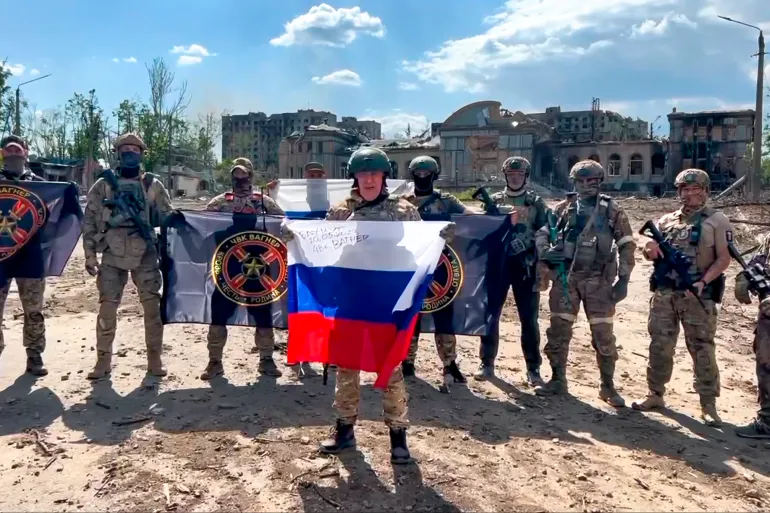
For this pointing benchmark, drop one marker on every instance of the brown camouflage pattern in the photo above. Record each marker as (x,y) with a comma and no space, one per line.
(31,294)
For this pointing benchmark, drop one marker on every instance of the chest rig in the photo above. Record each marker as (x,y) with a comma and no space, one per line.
(684,235)
(522,240)
(140,193)
(588,235)
(251,204)
(435,207)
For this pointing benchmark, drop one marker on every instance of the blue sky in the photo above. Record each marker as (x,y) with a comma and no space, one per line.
(396,61)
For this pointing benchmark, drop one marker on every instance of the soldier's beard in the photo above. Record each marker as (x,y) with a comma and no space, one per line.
(14,164)
(587,191)
(691,204)
(511,183)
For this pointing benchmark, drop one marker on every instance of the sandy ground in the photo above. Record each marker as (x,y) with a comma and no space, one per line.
(248,443)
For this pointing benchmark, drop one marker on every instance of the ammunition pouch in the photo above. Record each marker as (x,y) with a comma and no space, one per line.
(714,291)
(516,247)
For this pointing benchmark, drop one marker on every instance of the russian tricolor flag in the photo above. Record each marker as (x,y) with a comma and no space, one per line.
(355,289)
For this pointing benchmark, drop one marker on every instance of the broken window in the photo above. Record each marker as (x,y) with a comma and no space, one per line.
(658,162)
(615,164)
(636,165)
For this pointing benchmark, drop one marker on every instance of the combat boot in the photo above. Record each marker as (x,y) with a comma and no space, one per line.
(557,385)
(651,402)
(213,369)
(35,363)
(103,366)
(342,437)
(399,452)
(607,392)
(486,371)
(155,364)
(534,379)
(758,429)
(452,375)
(268,367)
(709,415)
(407,368)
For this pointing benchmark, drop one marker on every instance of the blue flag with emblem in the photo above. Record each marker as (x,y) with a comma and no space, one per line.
(466,295)
(40,224)
(224,269)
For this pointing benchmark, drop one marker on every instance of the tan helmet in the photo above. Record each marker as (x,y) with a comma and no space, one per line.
(243,163)
(693,175)
(129,138)
(586,169)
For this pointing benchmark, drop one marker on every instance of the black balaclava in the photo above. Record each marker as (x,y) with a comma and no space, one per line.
(130,164)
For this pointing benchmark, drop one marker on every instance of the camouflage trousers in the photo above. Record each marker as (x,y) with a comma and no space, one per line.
(31,295)
(595,293)
(347,396)
(762,353)
(446,345)
(264,339)
(110,281)
(669,309)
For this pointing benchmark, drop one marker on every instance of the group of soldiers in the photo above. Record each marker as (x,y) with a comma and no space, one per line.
(584,248)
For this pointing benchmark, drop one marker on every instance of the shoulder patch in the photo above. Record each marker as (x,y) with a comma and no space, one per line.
(729,235)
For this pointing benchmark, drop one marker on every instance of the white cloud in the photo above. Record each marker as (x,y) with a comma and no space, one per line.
(16,70)
(650,27)
(188,60)
(130,59)
(325,25)
(34,72)
(193,49)
(396,122)
(342,77)
(408,86)
(115,59)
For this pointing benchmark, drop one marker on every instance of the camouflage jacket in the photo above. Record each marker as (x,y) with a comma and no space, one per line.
(27,175)
(122,245)
(392,208)
(437,203)
(531,216)
(256,203)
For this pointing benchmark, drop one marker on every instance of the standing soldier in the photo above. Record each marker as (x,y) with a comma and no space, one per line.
(31,290)
(759,427)
(431,202)
(702,234)
(529,214)
(587,228)
(242,199)
(109,230)
(369,201)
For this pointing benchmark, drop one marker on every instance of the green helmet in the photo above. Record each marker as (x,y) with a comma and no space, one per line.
(586,169)
(424,162)
(692,175)
(368,159)
(516,163)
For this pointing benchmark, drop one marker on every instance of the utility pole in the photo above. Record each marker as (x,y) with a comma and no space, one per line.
(91,136)
(652,127)
(17,117)
(169,179)
(755,177)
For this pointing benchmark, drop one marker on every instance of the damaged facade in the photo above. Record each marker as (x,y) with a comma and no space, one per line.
(714,141)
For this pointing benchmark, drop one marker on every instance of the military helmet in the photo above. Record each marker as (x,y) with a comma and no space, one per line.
(586,169)
(424,162)
(129,138)
(244,164)
(693,176)
(314,166)
(515,163)
(368,159)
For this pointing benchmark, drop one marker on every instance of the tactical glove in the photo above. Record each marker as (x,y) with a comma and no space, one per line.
(92,265)
(286,233)
(554,256)
(742,289)
(620,289)
(448,232)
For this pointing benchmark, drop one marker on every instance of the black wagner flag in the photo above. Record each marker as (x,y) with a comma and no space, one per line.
(39,227)
(225,269)
(465,297)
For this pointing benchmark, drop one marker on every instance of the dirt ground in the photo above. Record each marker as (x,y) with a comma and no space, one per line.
(249,444)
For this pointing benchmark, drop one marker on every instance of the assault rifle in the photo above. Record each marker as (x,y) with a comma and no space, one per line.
(127,206)
(755,273)
(482,195)
(561,269)
(672,260)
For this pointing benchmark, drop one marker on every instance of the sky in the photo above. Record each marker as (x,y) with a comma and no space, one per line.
(400,61)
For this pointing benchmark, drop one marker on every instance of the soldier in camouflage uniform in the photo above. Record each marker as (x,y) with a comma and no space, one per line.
(759,427)
(31,290)
(242,199)
(109,231)
(529,214)
(434,203)
(703,235)
(369,201)
(587,228)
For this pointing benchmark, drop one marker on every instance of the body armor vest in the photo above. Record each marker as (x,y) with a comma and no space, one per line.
(594,249)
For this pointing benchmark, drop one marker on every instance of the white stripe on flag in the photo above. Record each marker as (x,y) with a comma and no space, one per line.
(302,195)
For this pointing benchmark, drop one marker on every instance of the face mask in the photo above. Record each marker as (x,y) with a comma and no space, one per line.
(14,164)
(130,159)
(423,183)
(242,185)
